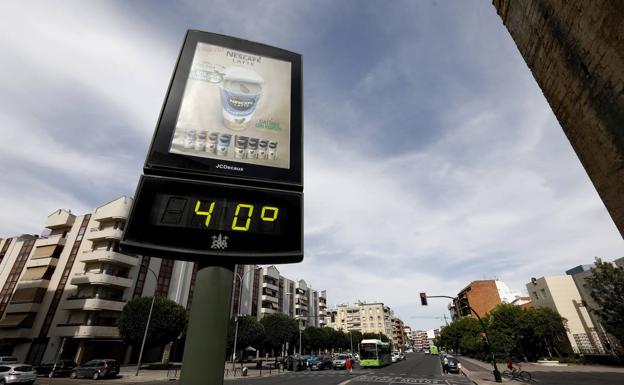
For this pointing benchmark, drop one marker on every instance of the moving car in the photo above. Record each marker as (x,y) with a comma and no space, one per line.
(453,364)
(340,362)
(395,357)
(322,362)
(17,374)
(96,369)
(63,368)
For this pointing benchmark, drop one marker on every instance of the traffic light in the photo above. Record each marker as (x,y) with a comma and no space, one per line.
(423,299)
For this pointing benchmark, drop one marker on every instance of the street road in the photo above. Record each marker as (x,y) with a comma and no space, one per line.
(417,369)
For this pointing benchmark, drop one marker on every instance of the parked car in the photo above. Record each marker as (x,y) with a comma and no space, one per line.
(340,362)
(395,357)
(322,362)
(453,364)
(8,360)
(17,374)
(63,368)
(96,369)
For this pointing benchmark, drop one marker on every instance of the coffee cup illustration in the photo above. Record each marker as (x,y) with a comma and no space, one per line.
(240,92)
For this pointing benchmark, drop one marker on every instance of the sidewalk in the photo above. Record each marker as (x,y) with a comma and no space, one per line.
(127,373)
(480,373)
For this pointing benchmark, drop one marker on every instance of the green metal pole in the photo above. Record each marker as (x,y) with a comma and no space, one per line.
(204,351)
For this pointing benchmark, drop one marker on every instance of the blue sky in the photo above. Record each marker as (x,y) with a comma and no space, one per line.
(431,156)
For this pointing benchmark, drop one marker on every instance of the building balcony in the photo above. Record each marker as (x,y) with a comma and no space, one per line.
(269,298)
(100,279)
(94,304)
(51,240)
(115,210)
(109,256)
(87,331)
(301,306)
(43,283)
(110,233)
(60,219)
(30,307)
(42,262)
(267,310)
(16,333)
(270,286)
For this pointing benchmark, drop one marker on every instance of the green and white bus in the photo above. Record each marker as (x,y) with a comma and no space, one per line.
(375,353)
(433,350)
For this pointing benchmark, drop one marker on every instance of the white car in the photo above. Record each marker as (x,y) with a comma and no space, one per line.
(396,356)
(17,374)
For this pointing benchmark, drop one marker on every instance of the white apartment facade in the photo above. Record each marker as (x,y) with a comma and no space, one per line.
(560,294)
(260,291)
(365,318)
(67,288)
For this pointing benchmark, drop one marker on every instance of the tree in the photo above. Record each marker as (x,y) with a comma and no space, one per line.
(375,336)
(607,289)
(463,335)
(167,322)
(279,329)
(315,338)
(250,333)
(545,329)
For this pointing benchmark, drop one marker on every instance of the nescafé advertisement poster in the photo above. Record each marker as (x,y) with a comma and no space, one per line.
(236,107)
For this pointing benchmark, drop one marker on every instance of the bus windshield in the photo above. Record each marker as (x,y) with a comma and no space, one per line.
(368,351)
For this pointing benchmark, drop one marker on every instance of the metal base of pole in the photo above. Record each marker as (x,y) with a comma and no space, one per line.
(206,338)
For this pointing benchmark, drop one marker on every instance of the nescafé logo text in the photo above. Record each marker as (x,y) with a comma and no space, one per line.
(243,58)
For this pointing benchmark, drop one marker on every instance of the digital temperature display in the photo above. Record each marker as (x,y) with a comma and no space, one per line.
(217,213)
(192,220)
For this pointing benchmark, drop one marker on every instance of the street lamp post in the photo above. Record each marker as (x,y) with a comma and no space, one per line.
(497,375)
(298,325)
(149,318)
(240,292)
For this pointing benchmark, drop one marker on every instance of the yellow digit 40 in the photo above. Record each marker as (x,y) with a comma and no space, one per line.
(208,213)
(247,222)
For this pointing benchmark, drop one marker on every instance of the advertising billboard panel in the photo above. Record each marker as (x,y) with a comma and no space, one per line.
(233,110)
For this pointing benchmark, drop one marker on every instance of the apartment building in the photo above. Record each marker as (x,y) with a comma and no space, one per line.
(364,317)
(67,287)
(482,296)
(398,334)
(420,340)
(409,337)
(605,342)
(560,294)
(260,291)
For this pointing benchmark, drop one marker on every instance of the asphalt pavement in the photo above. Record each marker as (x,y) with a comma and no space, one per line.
(416,369)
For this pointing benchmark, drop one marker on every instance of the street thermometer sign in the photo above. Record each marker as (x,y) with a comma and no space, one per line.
(223,178)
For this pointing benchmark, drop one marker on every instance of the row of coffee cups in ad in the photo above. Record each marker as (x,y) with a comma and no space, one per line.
(219,143)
